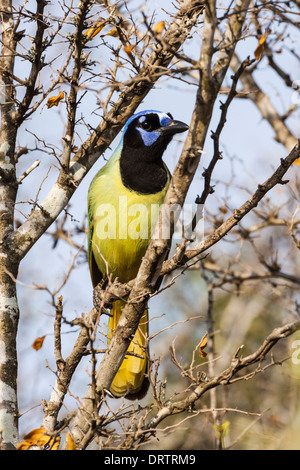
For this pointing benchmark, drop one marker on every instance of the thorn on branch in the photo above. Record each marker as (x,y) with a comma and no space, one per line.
(237,352)
(261,187)
(284,163)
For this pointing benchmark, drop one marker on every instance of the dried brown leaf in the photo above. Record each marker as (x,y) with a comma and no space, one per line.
(159,27)
(70,442)
(95,29)
(55,100)
(39,438)
(260,48)
(202,345)
(38,342)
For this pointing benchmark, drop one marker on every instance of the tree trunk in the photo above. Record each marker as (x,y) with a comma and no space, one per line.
(9,312)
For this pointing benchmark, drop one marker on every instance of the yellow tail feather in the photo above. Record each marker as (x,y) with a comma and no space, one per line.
(131,374)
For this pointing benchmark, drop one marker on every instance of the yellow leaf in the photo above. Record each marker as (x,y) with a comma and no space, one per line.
(38,437)
(297,162)
(95,29)
(128,50)
(54,443)
(260,48)
(113,32)
(54,100)
(159,27)
(70,442)
(222,429)
(202,345)
(38,342)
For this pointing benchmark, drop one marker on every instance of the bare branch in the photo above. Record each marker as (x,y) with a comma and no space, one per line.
(226,376)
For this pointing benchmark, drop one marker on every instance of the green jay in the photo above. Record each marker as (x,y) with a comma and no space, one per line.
(123,205)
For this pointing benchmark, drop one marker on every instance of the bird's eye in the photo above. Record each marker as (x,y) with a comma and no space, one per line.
(146,125)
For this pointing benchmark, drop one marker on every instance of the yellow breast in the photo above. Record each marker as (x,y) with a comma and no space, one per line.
(123,223)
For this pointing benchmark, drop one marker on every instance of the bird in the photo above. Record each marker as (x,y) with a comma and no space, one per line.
(121,196)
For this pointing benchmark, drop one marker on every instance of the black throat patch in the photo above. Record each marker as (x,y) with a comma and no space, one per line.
(141,166)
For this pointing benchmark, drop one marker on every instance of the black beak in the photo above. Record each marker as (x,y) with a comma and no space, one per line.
(174,127)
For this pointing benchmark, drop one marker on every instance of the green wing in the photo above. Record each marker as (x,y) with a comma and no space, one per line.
(96,274)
